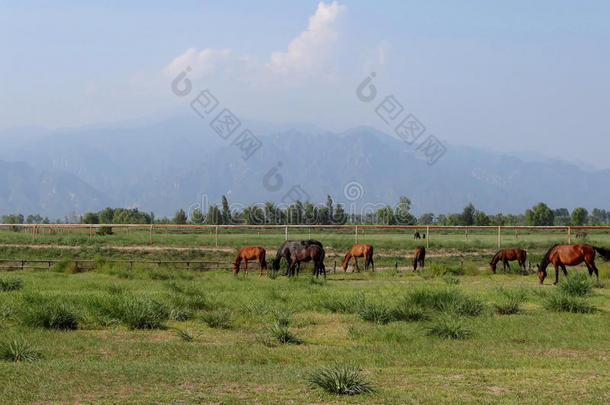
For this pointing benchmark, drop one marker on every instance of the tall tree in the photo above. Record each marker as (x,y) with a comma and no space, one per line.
(539,215)
(579,216)
(468,215)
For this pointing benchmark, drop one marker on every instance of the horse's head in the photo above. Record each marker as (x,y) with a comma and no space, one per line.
(236,267)
(345,262)
(492,265)
(275,263)
(541,273)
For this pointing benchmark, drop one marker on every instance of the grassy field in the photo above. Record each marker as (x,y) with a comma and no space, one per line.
(452,334)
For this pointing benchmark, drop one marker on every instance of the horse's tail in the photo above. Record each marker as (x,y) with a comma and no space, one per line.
(546,258)
(603,252)
(263,259)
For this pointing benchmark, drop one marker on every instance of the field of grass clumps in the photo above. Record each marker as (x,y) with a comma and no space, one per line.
(452,333)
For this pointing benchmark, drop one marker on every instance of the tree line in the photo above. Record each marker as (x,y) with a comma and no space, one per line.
(330,213)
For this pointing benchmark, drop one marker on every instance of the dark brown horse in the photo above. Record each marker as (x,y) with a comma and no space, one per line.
(571,255)
(506,255)
(419,257)
(359,250)
(416,235)
(292,250)
(312,253)
(581,234)
(250,253)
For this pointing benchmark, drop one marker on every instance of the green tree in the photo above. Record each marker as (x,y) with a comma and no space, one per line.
(197,217)
(226,211)
(385,216)
(180,217)
(539,215)
(426,219)
(468,215)
(481,219)
(579,216)
(340,216)
(402,215)
(213,217)
(599,217)
(90,218)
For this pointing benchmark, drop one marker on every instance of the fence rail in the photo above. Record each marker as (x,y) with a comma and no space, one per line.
(35,228)
(88,264)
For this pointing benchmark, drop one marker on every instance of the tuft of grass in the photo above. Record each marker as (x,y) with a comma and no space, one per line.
(448,327)
(376,312)
(510,301)
(186,335)
(142,313)
(448,300)
(283,334)
(577,284)
(562,302)
(10,283)
(18,349)
(218,319)
(65,265)
(409,313)
(343,304)
(451,280)
(340,380)
(282,317)
(51,314)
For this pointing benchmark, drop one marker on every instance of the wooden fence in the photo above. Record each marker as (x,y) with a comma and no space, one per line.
(37,228)
(88,264)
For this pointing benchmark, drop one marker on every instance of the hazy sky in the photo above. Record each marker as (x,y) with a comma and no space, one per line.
(512,75)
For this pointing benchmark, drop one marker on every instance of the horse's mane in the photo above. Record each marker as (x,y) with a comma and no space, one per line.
(545,259)
(495,259)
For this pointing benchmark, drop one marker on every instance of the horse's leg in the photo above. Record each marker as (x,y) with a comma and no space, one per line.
(556,273)
(563,268)
(246,267)
(592,268)
(356,264)
(372,264)
(508,265)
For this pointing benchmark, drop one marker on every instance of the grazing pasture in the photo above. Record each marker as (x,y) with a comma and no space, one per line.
(452,332)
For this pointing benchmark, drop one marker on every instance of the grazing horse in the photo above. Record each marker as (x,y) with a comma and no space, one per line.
(289,251)
(581,234)
(359,250)
(416,235)
(571,255)
(250,253)
(312,253)
(506,255)
(419,257)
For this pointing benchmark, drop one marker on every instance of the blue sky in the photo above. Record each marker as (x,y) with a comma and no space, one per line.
(514,75)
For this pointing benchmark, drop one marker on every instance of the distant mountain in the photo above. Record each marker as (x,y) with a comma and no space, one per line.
(173,163)
(26,190)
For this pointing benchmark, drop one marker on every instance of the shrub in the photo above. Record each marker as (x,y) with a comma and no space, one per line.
(282,317)
(10,283)
(377,313)
(562,302)
(18,349)
(578,284)
(218,319)
(451,280)
(51,314)
(283,334)
(185,334)
(340,380)
(180,314)
(448,327)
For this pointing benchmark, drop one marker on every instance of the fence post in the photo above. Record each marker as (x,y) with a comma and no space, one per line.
(286,233)
(427,237)
(150,233)
(466,232)
(569,235)
(499,237)
(516,234)
(90,232)
(216,236)
(356,233)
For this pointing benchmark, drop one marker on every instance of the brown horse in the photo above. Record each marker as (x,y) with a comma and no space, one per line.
(313,253)
(359,250)
(250,253)
(416,235)
(506,255)
(419,257)
(571,255)
(581,235)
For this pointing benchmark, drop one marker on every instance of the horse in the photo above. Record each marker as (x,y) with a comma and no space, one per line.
(571,255)
(506,255)
(250,253)
(416,235)
(423,236)
(289,250)
(581,234)
(419,257)
(313,253)
(359,250)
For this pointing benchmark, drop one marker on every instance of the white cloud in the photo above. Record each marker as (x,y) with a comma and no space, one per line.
(204,62)
(310,50)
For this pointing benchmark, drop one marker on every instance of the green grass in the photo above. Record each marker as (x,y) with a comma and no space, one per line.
(18,349)
(340,380)
(10,283)
(139,335)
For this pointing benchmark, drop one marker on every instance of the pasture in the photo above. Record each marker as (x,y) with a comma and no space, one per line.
(454,333)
